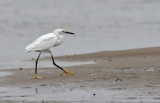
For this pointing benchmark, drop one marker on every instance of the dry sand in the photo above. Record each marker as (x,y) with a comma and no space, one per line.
(135,73)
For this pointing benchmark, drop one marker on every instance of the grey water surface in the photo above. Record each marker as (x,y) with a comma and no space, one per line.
(99,25)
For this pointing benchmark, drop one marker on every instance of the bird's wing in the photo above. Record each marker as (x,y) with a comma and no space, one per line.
(44,42)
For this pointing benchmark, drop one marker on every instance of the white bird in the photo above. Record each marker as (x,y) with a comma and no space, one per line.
(44,43)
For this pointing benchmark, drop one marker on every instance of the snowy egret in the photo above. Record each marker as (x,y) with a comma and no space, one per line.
(44,43)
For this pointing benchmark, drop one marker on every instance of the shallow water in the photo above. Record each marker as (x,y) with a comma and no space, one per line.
(99,25)
(42,63)
(2,74)
(73,95)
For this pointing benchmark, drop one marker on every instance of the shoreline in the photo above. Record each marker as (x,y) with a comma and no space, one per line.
(142,59)
(135,71)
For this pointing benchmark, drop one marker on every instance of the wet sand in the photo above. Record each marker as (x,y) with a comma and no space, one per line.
(114,76)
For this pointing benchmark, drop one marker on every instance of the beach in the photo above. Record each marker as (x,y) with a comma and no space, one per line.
(113,76)
(114,55)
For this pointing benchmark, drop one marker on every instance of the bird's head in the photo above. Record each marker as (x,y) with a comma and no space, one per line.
(61,31)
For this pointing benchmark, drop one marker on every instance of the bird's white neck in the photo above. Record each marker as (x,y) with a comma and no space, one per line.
(59,36)
(59,40)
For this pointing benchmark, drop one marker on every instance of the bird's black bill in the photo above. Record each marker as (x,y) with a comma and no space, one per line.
(69,32)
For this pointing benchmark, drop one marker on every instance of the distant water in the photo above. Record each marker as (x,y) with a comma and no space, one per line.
(99,24)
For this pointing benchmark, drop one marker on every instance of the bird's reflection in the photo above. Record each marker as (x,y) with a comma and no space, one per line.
(36,91)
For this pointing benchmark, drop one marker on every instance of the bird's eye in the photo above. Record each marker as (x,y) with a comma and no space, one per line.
(63,31)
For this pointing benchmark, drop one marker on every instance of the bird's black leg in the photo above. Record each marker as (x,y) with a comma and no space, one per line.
(64,71)
(55,63)
(36,63)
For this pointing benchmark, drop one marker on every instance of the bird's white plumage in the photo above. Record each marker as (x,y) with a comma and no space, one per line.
(45,42)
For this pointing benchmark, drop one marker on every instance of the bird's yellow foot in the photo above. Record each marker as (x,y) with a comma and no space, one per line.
(67,72)
(36,77)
